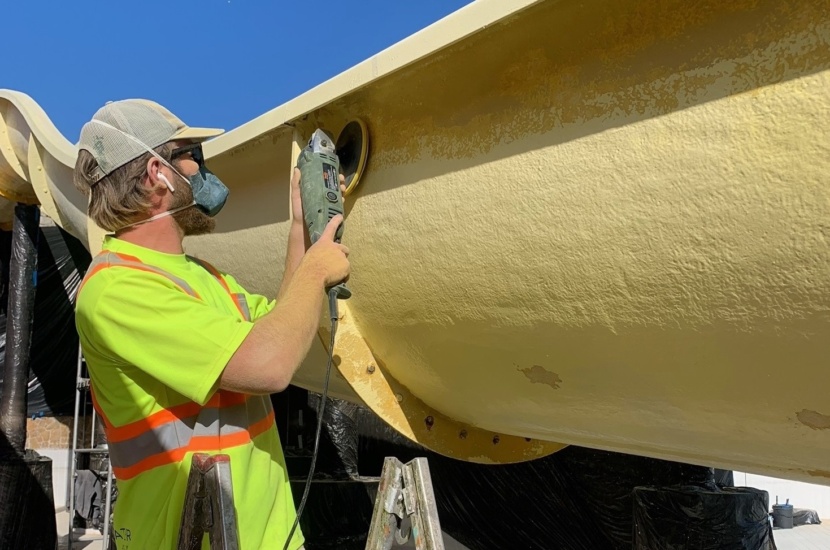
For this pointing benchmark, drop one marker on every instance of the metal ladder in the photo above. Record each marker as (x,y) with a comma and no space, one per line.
(404,496)
(208,505)
(81,390)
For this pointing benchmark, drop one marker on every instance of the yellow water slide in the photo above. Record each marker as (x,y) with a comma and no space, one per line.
(594,223)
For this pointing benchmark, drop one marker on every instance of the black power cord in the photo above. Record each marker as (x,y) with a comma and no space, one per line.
(332,294)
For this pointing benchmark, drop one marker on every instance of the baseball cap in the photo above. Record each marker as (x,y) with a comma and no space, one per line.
(122,131)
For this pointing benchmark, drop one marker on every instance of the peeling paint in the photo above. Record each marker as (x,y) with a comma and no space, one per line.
(814,420)
(540,375)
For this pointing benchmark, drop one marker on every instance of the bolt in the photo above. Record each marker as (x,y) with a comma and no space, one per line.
(496,440)
(399,397)
(429,422)
(370,369)
(463,434)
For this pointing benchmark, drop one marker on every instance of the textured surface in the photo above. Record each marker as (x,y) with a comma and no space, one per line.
(585,223)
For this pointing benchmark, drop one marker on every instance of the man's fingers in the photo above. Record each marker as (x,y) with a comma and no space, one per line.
(332,226)
(295,177)
(344,249)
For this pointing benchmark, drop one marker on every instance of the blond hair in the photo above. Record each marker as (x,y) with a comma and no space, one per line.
(119,198)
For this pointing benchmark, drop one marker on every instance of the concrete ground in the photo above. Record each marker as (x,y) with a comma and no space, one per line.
(804,537)
(91,540)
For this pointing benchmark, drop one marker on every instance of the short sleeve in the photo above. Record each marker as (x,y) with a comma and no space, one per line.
(258,304)
(148,322)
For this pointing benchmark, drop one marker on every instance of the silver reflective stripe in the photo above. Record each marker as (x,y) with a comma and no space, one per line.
(243,303)
(178,433)
(113,260)
(166,437)
(226,421)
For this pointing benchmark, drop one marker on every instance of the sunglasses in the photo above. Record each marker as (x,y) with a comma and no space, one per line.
(194,150)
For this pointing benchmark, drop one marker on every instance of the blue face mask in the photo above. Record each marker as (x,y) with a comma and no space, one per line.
(209,193)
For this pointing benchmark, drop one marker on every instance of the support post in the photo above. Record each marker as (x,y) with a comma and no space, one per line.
(27,514)
(22,284)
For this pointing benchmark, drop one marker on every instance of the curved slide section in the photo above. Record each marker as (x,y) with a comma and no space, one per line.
(579,224)
(36,163)
(37,169)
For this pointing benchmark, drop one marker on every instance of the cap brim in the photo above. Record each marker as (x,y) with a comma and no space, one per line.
(197,134)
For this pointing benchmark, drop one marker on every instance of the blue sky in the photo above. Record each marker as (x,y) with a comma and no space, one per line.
(212,62)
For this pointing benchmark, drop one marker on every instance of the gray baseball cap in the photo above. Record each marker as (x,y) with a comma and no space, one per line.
(122,131)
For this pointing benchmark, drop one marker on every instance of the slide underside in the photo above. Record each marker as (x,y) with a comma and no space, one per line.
(593,223)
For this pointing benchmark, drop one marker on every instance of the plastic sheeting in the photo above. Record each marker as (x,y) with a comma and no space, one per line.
(339,437)
(22,288)
(578,498)
(575,499)
(62,262)
(27,513)
(677,518)
(803,516)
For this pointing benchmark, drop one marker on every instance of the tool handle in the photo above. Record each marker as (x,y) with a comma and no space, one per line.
(343,292)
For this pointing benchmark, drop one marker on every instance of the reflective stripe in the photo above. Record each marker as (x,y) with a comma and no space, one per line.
(227,420)
(114,259)
(197,444)
(191,408)
(242,304)
(213,428)
(238,299)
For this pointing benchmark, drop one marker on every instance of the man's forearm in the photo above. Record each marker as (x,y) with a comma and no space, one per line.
(293,255)
(276,346)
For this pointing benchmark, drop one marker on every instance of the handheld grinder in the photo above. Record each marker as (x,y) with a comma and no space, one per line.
(319,164)
(320,189)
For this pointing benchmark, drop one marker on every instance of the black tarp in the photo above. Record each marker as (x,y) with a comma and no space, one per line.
(62,262)
(577,498)
(805,516)
(703,518)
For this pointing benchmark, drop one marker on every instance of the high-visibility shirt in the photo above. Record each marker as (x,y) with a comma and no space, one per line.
(156,331)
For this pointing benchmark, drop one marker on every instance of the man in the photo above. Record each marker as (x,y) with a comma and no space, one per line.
(181,358)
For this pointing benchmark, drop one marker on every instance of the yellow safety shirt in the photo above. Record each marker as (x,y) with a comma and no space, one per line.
(157,330)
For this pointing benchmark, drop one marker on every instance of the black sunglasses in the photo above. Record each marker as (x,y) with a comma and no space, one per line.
(194,150)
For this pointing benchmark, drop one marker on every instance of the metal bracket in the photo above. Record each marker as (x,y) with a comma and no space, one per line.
(413,418)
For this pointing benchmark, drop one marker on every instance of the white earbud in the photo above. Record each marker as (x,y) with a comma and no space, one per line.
(166,181)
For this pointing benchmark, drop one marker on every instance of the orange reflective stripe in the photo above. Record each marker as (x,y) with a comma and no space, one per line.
(222,398)
(213,271)
(98,409)
(243,309)
(195,444)
(242,305)
(114,259)
(228,419)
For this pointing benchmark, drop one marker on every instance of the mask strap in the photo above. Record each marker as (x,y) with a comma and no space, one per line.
(144,145)
(157,216)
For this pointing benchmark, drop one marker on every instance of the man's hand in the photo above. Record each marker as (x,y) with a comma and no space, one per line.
(298,238)
(327,259)
(297,200)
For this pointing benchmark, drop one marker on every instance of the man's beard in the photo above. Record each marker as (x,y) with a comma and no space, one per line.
(192,220)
